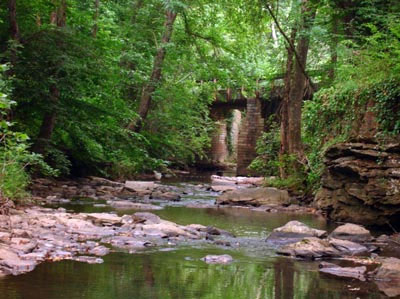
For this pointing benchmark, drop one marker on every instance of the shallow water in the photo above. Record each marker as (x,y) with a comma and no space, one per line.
(178,272)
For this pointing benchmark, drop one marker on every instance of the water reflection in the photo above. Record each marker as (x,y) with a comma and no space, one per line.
(180,274)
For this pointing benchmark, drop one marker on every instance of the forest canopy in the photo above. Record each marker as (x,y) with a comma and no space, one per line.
(115,88)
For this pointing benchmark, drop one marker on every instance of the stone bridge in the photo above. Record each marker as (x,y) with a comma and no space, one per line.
(240,121)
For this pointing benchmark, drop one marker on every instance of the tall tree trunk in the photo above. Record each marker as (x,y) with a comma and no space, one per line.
(284,117)
(48,122)
(155,78)
(298,84)
(96,18)
(58,18)
(14,34)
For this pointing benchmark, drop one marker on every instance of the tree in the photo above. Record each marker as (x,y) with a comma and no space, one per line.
(57,18)
(155,78)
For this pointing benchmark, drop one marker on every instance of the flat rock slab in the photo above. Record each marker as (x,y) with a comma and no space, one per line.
(346,272)
(254,197)
(217,259)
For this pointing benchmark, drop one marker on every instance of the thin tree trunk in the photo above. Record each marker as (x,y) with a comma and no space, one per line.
(298,84)
(46,130)
(136,8)
(96,18)
(333,47)
(155,77)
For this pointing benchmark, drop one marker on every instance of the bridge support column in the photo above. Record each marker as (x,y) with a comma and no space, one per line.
(219,147)
(251,129)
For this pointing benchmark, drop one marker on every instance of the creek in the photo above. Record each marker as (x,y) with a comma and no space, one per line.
(177,271)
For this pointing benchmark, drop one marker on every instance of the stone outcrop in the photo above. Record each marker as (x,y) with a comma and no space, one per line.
(255,197)
(361,183)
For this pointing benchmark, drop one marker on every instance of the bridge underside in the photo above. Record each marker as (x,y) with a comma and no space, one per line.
(239,124)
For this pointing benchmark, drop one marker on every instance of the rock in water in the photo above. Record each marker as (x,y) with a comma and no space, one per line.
(217,259)
(157,175)
(349,272)
(12,263)
(389,270)
(309,248)
(255,197)
(292,232)
(140,185)
(351,232)
(348,247)
(388,277)
(146,217)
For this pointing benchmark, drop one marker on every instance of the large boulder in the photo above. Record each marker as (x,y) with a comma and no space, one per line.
(352,232)
(254,197)
(292,232)
(361,183)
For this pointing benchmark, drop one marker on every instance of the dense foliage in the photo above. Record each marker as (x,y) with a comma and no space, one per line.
(79,69)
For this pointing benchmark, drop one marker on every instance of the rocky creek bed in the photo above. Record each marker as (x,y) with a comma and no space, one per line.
(72,228)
